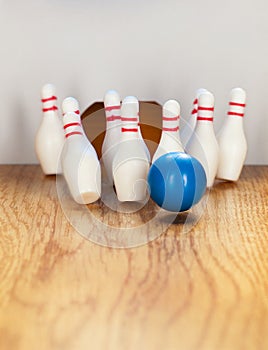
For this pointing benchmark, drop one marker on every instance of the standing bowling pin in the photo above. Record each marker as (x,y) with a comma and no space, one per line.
(189,127)
(170,137)
(70,104)
(80,164)
(112,134)
(50,135)
(141,138)
(130,165)
(203,144)
(232,140)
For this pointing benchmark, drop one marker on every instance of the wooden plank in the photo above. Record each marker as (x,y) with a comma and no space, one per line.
(207,289)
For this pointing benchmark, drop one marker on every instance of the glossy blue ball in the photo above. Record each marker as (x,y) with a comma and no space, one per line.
(177,181)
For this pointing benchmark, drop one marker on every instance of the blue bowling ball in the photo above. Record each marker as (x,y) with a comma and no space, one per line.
(177,181)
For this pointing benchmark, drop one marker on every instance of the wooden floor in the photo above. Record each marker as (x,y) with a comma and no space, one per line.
(205,289)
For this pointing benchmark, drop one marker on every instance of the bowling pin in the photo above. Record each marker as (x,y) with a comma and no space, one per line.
(141,138)
(70,104)
(231,138)
(203,144)
(50,135)
(189,127)
(170,137)
(112,134)
(131,164)
(80,164)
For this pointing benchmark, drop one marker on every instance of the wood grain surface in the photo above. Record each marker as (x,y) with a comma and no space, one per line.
(206,289)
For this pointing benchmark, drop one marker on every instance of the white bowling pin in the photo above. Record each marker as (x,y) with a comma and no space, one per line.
(70,104)
(203,144)
(130,165)
(50,135)
(170,137)
(189,127)
(231,138)
(112,134)
(80,164)
(142,140)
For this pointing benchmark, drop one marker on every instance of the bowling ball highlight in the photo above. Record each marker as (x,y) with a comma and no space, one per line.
(177,181)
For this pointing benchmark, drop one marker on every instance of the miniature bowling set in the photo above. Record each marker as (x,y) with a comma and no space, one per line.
(126,158)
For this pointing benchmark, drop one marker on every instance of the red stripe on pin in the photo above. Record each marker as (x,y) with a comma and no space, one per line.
(129,130)
(52,98)
(71,124)
(171,129)
(73,133)
(237,104)
(113,118)
(110,108)
(210,119)
(200,108)
(194,111)
(171,118)
(129,119)
(195,101)
(237,114)
(76,112)
(53,108)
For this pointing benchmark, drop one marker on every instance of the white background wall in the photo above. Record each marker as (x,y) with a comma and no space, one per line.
(154,49)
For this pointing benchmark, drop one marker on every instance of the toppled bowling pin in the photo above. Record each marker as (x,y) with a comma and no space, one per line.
(170,137)
(50,135)
(231,138)
(130,165)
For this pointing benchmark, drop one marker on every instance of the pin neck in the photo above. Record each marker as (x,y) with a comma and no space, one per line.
(71,124)
(170,123)
(113,116)
(71,111)
(72,133)
(49,104)
(236,114)
(200,118)
(130,126)
(72,127)
(112,108)
(176,129)
(52,98)
(236,109)
(205,113)
(237,104)
(53,108)
(129,129)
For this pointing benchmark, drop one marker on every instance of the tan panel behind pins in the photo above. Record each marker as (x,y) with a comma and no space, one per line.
(94,124)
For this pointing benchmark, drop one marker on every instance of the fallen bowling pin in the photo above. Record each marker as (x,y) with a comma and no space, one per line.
(231,138)
(203,144)
(80,164)
(130,164)
(50,135)
(170,137)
